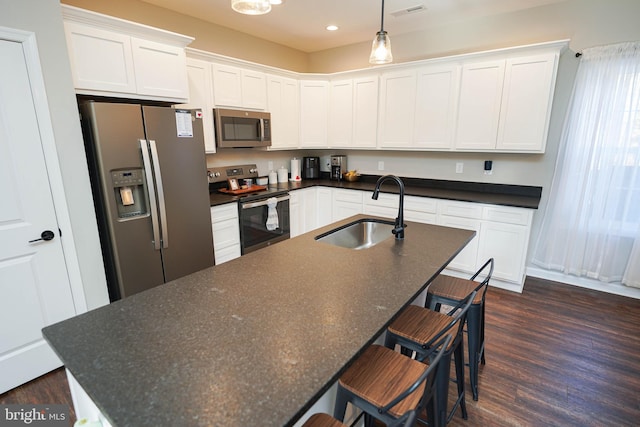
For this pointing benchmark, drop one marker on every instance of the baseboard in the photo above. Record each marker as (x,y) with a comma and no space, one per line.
(497,283)
(610,288)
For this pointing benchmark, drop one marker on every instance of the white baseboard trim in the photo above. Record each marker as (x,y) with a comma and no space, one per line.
(610,288)
(496,283)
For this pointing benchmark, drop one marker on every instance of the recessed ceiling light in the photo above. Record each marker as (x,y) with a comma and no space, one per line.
(275,1)
(332,27)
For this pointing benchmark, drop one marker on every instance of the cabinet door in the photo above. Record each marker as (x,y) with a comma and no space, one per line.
(227,86)
(325,211)
(100,60)
(201,97)
(479,105)
(436,105)
(254,90)
(507,245)
(295,221)
(397,109)
(365,112)
(161,70)
(526,103)
(346,203)
(314,102)
(282,102)
(466,259)
(341,113)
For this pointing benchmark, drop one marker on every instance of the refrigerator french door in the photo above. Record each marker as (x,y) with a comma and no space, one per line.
(148,173)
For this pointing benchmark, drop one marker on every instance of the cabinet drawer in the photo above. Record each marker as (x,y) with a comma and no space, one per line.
(225,233)
(227,254)
(461,209)
(384,199)
(420,204)
(224,212)
(423,217)
(506,214)
(383,211)
(351,196)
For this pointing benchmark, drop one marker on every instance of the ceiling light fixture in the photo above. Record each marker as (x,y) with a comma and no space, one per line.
(381,47)
(251,7)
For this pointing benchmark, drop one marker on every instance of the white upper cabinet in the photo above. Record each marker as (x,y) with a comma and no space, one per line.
(365,112)
(526,103)
(505,104)
(397,109)
(436,106)
(479,105)
(201,97)
(353,112)
(239,88)
(117,58)
(283,104)
(314,110)
(341,113)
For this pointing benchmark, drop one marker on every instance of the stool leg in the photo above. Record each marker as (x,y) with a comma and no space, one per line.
(474,317)
(340,407)
(459,363)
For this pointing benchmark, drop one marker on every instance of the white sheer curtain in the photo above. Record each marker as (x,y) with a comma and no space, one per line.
(591,226)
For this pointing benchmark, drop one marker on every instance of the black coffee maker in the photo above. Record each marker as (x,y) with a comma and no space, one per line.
(310,167)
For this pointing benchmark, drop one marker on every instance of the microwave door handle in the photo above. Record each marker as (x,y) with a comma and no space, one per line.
(161,204)
(261,130)
(153,206)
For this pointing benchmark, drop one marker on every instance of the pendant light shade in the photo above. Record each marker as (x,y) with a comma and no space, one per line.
(381,47)
(251,7)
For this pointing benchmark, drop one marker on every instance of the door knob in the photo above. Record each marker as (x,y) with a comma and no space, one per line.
(45,235)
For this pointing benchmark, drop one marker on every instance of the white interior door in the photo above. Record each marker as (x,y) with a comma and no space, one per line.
(34,284)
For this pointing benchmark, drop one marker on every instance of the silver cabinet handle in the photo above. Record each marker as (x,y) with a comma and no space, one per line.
(161,204)
(263,202)
(144,147)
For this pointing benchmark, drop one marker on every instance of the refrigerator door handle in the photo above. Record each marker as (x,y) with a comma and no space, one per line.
(161,204)
(144,147)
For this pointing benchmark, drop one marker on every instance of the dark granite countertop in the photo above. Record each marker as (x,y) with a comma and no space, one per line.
(496,194)
(254,341)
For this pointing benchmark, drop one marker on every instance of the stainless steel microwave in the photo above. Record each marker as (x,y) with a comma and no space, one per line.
(242,128)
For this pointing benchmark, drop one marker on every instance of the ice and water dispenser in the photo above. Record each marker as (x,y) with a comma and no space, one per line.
(129,189)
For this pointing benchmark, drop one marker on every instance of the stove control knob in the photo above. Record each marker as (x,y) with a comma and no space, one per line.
(253,170)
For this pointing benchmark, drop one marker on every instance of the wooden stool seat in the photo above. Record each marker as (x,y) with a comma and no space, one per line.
(419,325)
(453,288)
(322,420)
(379,375)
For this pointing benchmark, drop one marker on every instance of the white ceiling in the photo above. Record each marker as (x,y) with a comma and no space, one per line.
(300,24)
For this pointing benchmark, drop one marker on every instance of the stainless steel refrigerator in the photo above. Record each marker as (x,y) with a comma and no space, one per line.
(149,181)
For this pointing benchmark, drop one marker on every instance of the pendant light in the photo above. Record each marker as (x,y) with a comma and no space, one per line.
(251,7)
(381,47)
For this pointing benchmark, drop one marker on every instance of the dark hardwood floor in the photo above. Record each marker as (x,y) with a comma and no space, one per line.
(557,355)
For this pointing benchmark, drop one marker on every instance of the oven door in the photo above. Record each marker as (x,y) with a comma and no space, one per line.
(257,229)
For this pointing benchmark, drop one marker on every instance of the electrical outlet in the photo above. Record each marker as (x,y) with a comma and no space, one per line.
(380,165)
(459,167)
(270,166)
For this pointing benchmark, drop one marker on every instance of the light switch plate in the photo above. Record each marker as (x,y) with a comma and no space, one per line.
(459,167)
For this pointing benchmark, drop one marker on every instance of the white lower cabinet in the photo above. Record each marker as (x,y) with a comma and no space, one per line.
(325,201)
(346,203)
(226,232)
(303,211)
(467,216)
(505,235)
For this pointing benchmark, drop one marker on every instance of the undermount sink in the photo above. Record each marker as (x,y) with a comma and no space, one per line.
(361,234)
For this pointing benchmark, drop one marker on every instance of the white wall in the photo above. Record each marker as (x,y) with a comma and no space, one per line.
(43,17)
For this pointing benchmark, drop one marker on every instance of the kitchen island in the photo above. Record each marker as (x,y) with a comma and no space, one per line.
(254,341)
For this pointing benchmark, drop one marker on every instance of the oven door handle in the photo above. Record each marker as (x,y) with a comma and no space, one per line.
(264,202)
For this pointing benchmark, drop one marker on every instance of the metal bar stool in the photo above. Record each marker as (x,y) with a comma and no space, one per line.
(447,290)
(416,330)
(326,420)
(388,386)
